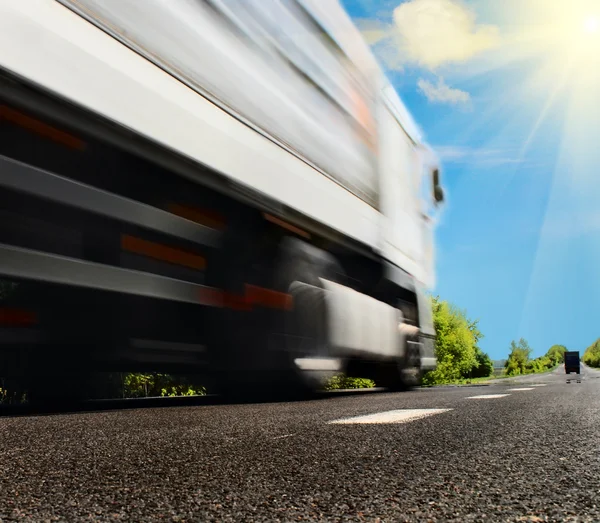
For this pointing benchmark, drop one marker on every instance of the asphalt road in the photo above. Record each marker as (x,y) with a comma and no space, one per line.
(518,455)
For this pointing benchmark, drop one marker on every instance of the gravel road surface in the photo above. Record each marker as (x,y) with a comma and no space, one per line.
(518,455)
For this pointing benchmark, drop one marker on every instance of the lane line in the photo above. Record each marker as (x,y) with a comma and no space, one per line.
(390,416)
(539,385)
(487,396)
(522,388)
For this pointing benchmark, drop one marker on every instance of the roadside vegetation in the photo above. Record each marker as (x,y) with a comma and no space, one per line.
(137,385)
(519,360)
(121,385)
(460,361)
(342,382)
(591,356)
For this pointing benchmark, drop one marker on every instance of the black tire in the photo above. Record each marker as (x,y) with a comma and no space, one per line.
(255,350)
(398,376)
(56,389)
(54,377)
(405,373)
(300,263)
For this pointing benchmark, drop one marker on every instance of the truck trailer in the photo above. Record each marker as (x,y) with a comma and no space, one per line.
(572,362)
(210,185)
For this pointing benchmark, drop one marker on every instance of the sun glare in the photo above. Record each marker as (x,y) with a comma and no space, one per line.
(591,25)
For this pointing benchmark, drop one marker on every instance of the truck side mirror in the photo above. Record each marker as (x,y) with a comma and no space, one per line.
(438,191)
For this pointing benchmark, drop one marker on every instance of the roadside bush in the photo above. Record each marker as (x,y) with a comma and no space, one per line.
(557,354)
(139,385)
(538,365)
(518,358)
(518,361)
(11,398)
(11,393)
(182,390)
(341,382)
(456,349)
(484,368)
(591,356)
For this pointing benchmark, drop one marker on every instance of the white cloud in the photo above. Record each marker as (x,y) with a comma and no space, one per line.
(435,32)
(429,33)
(441,92)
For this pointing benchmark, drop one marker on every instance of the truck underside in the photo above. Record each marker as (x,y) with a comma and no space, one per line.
(113,259)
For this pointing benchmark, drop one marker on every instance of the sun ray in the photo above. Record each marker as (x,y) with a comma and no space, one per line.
(572,212)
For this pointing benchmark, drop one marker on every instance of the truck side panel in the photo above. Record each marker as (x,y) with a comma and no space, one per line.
(86,66)
(403,234)
(170,207)
(303,91)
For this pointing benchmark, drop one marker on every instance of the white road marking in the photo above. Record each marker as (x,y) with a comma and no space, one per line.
(487,396)
(539,385)
(390,416)
(523,388)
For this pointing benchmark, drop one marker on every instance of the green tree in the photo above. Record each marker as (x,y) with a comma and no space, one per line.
(591,356)
(485,366)
(456,343)
(518,359)
(138,385)
(541,364)
(556,353)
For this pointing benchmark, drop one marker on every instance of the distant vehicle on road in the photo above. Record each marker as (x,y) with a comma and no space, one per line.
(572,362)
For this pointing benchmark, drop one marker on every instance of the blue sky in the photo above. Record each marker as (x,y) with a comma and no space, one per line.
(508,93)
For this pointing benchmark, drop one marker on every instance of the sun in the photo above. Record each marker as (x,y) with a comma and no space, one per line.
(591,25)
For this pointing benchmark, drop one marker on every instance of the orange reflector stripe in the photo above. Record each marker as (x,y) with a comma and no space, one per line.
(254,296)
(237,303)
(162,252)
(285,225)
(17,317)
(268,298)
(201,216)
(41,128)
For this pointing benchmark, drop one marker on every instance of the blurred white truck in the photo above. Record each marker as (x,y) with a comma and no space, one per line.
(224,184)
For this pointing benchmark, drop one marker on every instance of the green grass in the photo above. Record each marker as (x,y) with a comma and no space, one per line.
(470,381)
(474,381)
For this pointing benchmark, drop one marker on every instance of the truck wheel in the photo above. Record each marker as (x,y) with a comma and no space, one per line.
(411,373)
(56,388)
(303,339)
(258,348)
(404,374)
